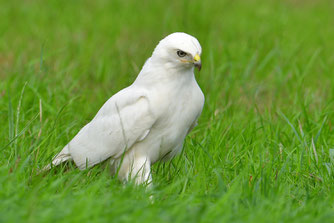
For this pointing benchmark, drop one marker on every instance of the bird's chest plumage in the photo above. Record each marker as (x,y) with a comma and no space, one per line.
(177,108)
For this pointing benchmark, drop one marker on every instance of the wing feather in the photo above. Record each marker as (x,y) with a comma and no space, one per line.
(126,118)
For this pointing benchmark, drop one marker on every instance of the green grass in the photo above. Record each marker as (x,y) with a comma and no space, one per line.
(264,147)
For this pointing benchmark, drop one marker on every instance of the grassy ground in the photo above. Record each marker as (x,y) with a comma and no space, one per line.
(264,148)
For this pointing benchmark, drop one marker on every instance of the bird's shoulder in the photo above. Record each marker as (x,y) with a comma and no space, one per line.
(132,96)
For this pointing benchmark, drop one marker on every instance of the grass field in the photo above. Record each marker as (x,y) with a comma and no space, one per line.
(264,147)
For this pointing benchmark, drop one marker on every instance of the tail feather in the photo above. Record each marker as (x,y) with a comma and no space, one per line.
(61,157)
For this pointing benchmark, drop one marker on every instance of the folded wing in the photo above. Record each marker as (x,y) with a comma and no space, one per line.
(126,118)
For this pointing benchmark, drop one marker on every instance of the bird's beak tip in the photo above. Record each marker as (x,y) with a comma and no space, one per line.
(197,62)
(198,65)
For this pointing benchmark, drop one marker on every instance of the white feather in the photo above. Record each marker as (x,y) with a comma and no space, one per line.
(126,118)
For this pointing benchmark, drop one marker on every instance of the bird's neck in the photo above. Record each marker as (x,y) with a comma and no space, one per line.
(155,71)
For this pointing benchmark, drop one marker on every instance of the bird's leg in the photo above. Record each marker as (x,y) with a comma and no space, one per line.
(141,171)
(137,168)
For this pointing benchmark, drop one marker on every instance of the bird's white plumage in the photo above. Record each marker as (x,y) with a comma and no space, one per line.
(147,121)
(123,120)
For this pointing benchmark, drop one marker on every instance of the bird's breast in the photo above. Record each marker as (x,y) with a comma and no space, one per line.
(176,110)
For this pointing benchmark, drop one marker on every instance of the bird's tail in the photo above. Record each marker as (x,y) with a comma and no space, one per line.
(61,157)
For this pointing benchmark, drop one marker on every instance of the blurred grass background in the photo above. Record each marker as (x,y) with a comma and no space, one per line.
(264,147)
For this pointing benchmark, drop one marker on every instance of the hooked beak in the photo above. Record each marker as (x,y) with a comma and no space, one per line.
(197,62)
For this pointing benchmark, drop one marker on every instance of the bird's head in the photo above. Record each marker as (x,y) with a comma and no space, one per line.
(179,50)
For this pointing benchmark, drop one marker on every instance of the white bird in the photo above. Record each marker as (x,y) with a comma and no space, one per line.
(147,121)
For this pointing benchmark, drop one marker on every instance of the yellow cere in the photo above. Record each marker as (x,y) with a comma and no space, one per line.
(197,58)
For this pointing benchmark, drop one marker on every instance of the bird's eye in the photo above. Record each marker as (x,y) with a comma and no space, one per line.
(180,53)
